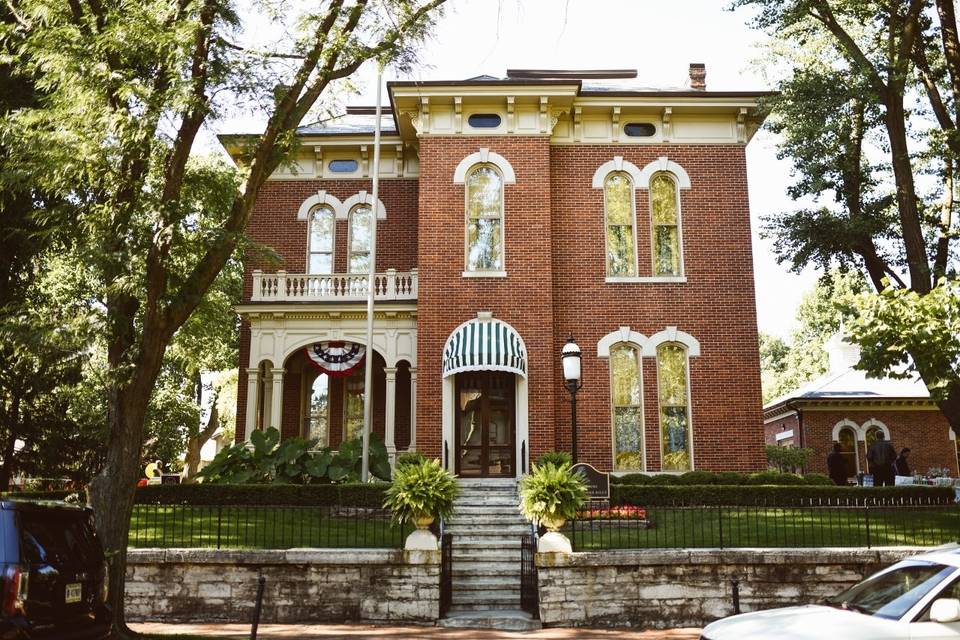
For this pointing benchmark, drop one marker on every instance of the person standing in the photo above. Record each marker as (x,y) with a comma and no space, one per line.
(837,466)
(901,465)
(881,456)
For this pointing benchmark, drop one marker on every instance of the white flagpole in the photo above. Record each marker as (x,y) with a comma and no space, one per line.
(371,286)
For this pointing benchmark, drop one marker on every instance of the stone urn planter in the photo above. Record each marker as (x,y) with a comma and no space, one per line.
(553,541)
(422,539)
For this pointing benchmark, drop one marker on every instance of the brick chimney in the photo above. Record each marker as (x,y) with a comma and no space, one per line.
(698,76)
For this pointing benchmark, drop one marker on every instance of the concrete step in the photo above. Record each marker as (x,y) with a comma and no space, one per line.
(480,543)
(487,482)
(482,568)
(480,515)
(509,603)
(487,555)
(504,620)
(504,529)
(489,597)
(485,501)
(483,582)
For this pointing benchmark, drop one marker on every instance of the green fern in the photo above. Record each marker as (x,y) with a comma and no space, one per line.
(552,491)
(421,489)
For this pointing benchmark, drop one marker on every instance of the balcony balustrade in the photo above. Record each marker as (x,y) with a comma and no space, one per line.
(281,286)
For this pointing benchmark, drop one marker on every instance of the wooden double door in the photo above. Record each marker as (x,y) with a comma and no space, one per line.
(486,424)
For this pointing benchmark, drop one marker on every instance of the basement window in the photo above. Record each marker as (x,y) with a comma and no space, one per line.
(343,166)
(639,129)
(484,121)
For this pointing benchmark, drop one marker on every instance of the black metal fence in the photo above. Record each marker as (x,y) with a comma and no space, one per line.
(605,527)
(446,573)
(263,527)
(529,591)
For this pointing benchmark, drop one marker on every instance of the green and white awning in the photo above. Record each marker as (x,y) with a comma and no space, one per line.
(484,344)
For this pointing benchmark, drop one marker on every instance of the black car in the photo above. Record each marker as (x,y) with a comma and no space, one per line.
(54,573)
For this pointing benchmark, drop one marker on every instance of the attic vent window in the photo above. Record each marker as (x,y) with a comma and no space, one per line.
(484,121)
(343,166)
(639,129)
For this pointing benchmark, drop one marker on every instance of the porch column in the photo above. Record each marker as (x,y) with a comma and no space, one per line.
(253,376)
(413,409)
(276,399)
(390,413)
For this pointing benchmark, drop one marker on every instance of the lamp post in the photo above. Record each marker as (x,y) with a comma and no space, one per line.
(570,358)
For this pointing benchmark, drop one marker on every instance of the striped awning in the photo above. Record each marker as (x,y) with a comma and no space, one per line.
(484,344)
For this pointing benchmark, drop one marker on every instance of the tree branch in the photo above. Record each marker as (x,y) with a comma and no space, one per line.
(946,218)
(824,14)
(951,46)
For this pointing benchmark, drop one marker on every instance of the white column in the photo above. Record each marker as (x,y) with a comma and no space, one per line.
(252,384)
(413,409)
(390,413)
(276,398)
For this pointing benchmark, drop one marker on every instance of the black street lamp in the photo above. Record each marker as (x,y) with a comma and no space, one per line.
(570,357)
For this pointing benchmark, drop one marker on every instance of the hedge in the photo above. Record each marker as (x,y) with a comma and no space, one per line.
(311,495)
(732,478)
(40,495)
(720,495)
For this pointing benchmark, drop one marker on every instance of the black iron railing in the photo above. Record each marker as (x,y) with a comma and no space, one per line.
(603,527)
(446,573)
(263,527)
(529,591)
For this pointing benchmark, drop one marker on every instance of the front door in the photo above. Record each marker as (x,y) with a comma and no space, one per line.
(486,431)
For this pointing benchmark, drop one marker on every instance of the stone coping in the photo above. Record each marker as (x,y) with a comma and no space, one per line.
(823,555)
(282,556)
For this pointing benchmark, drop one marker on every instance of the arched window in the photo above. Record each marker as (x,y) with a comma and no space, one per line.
(320,242)
(626,395)
(353,404)
(316,419)
(361,220)
(672,378)
(665,214)
(847,437)
(618,206)
(869,437)
(484,219)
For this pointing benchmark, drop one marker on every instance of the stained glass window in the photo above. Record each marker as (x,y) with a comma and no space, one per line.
(625,389)
(353,404)
(360,235)
(484,220)
(666,230)
(674,412)
(618,204)
(316,422)
(321,240)
(848,449)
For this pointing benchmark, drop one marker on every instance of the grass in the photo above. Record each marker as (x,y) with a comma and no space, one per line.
(713,527)
(239,527)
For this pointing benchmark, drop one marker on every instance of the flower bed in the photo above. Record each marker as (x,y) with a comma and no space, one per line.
(631,516)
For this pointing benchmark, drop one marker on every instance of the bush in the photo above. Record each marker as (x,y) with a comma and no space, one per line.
(816,479)
(551,492)
(410,457)
(314,495)
(696,477)
(721,478)
(556,458)
(766,495)
(788,459)
(420,490)
(773,478)
(40,495)
(729,477)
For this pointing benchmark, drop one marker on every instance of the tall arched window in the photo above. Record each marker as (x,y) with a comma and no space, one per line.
(484,219)
(627,400)
(847,437)
(618,206)
(316,419)
(672,378)
(665,214)
(361,221)
(320,242)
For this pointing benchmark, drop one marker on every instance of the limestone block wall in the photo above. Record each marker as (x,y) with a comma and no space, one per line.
(302,585)
(690,588)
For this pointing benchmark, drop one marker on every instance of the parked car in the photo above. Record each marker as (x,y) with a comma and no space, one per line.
(918,598)
(54,577)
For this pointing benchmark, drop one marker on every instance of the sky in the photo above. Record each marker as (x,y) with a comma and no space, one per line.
(657,38)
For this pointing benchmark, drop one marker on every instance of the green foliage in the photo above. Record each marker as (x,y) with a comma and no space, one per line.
(421,489)
(551,492)
(788,459)
(556,458)
(313,495)
(294,461)
(722,478)
(410,457)
(750,495)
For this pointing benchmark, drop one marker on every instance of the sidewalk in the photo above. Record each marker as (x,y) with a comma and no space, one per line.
(359,631)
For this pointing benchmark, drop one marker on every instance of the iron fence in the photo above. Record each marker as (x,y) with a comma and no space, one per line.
(529,590)
(263,527)
(604,527)
(446,573)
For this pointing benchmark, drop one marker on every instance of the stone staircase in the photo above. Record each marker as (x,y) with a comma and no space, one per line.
(486,530)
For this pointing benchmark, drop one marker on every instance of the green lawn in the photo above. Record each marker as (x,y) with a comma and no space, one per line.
(260,527)
(711,527)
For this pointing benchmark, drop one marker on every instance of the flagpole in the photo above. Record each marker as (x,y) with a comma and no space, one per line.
(371,290)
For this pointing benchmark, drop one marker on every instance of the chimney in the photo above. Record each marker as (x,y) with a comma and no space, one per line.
(842,353)
(698,76)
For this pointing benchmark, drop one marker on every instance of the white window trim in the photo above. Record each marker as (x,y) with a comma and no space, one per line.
(687,354)
(606,225)
(638,354)
(484,156)
(343,213)
(857,439)
(320,198)
(672,334)
(623,334)
(350,251)
(653,241)
(618,164)
(645,279)
(333,243)
(662,164)
(492,273)
(873,422)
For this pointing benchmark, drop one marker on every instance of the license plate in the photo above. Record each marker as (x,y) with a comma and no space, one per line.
(74,593)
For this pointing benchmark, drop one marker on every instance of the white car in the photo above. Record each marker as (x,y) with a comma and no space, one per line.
(913,599)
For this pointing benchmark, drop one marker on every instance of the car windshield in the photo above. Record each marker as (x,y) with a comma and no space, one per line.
(892,593)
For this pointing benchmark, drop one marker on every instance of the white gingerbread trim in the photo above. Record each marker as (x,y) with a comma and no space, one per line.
(662,164)
(360,198)
(617,164)
(671,334)
(622,335)
(873,422)
(844,424)
(484,156)
(317,199)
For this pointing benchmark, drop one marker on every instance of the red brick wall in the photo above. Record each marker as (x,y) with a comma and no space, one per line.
(924,432)
(783,424)
(716,305)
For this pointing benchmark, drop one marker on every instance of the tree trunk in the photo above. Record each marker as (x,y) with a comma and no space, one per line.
(196,441)
(950,407)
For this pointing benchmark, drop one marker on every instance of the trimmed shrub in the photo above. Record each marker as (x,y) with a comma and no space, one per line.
(313,495)
(410,457)
(696,477)
(782,496)
(556,458)
(818,479)
(723,478)
(773,478)
(729,477)
(40,495)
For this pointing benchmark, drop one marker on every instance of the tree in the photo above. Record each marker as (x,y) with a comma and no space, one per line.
(128,87)
(868,113)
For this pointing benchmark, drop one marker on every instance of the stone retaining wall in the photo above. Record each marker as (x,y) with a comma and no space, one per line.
(682,588)
(302,585)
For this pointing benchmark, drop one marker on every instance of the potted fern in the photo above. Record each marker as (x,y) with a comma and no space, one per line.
(550,496)
(421,491)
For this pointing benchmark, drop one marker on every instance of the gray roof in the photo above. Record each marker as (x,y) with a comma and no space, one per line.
(351,124)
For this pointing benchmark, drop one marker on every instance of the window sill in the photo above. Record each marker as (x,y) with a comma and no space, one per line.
(484,274)
(647,279)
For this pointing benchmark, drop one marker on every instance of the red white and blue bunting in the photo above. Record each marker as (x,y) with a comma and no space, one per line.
(336,358)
